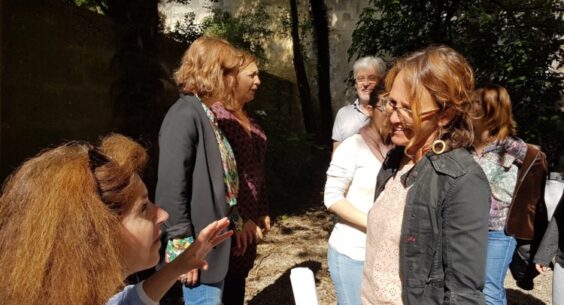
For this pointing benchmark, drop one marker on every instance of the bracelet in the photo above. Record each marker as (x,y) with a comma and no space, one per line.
(236,222)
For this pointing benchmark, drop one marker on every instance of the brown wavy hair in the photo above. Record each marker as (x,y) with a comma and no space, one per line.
(493,108)
(60,220)
(209,69)
(449,79)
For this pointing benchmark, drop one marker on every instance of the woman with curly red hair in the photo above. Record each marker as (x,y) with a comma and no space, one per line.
(75,221)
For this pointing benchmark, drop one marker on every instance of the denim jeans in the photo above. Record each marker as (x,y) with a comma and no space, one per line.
(203,294)
(346,274)
(500,252)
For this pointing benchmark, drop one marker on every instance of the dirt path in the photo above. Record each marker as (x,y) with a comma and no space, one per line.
(301,241)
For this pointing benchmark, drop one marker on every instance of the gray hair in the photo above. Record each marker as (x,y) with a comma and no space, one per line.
(370,63)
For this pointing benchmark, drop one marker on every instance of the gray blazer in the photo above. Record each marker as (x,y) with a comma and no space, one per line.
(190,183)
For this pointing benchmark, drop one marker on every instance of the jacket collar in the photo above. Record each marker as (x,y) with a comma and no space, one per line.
(445,163)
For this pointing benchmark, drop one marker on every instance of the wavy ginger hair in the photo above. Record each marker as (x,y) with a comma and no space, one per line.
(60,223)
(493,107)
(450,80)
(209,69)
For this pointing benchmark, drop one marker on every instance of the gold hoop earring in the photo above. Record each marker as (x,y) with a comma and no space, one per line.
(438,146)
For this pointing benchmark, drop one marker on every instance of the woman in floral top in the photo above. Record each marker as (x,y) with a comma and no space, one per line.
(248,141)
(501,155)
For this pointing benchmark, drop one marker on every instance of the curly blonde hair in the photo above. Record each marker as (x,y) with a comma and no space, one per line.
(450,80)
(209,69)
(60,220)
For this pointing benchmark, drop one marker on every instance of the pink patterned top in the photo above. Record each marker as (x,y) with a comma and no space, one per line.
(381,283)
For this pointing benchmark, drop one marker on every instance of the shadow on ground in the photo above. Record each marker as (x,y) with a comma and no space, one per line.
(281,289)
(516,297)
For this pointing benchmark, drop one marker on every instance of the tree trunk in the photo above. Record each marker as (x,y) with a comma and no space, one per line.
(301,76)
(321,34)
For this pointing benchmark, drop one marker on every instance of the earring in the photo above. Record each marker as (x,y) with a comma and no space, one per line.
(438,147)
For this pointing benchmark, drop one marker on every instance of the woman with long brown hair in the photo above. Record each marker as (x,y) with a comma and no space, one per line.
(427,230)
(516,173)
(76,220)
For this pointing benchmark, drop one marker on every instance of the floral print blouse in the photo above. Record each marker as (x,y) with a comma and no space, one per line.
(500,161)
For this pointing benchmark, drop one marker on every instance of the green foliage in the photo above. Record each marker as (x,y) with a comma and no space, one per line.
(248,30)
(101,6)
(517,44)
(97,6)
(186,31)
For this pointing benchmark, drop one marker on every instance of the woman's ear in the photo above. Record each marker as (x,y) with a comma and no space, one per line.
(446,117)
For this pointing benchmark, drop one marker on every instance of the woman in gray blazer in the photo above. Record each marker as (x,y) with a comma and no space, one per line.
(197,176)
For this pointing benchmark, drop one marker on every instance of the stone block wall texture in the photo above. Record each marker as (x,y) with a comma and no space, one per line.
(55,74)
(57,80)
(343,16)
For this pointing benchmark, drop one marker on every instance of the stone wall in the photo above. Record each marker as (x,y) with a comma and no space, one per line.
(55,77)
(343,16)
(59,81)
(175,12)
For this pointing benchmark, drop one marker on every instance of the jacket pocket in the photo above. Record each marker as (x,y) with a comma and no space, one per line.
(427,295)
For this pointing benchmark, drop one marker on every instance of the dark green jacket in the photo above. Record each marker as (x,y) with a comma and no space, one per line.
(445,228)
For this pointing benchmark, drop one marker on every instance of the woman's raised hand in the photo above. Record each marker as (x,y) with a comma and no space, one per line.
(212,235)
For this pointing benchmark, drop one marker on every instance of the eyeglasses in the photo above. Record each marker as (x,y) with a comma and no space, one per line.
(96,159)
(388,106)
(370,79)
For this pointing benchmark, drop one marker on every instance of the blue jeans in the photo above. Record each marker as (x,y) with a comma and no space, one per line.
(346,274)
(500,252)
(203,294)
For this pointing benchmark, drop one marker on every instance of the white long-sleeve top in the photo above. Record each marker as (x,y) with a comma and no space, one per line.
(352,176)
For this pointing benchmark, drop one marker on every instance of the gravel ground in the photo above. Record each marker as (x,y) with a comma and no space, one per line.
(540,295)
(300,240)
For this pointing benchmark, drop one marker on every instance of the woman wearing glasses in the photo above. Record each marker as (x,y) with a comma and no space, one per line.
(368,72)
(349,194)
(427,230)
